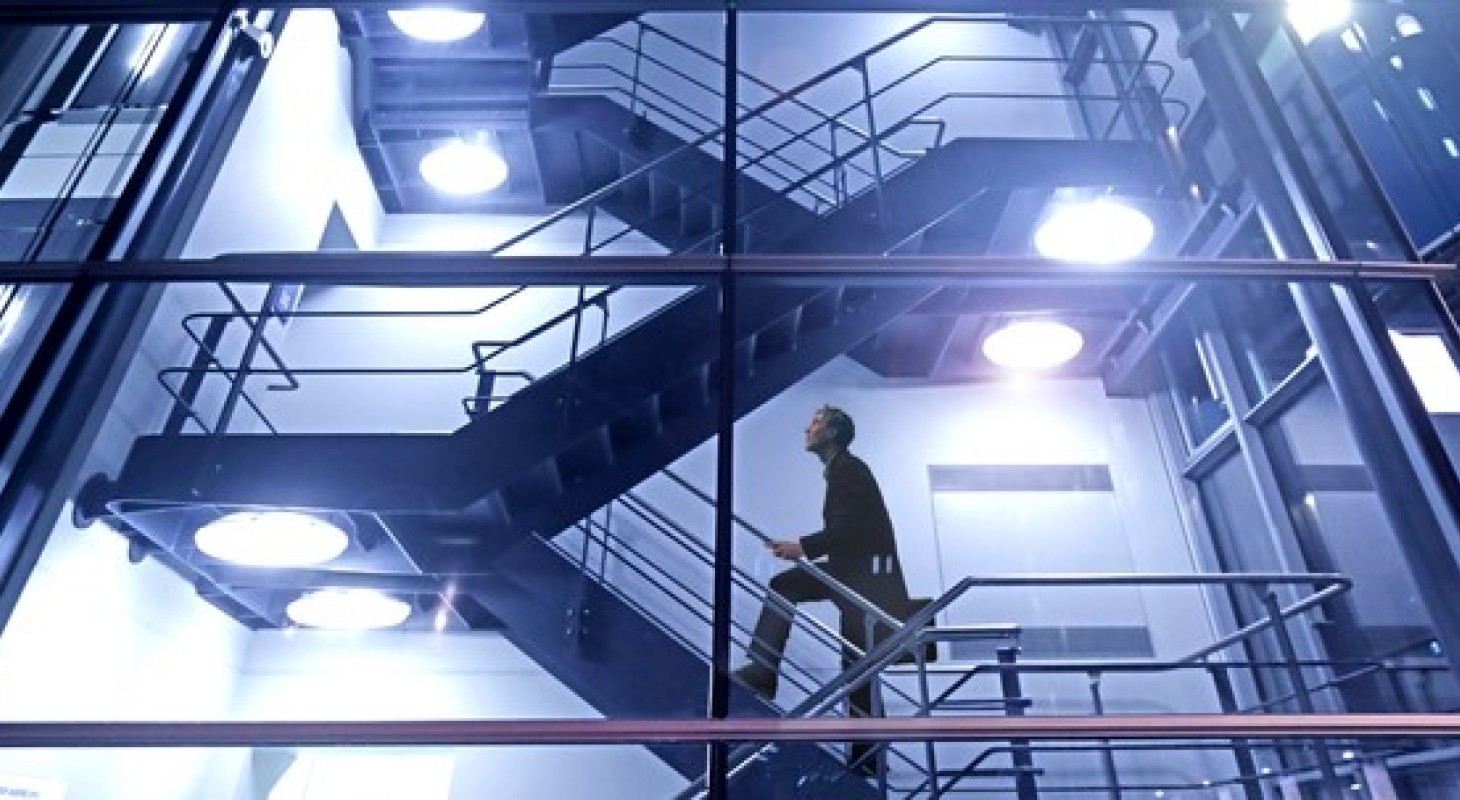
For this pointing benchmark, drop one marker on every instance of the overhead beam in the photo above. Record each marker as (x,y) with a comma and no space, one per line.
(77,11)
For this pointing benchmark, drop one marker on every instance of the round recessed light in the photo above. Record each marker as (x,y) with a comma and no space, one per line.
(348,609)
(271,539)
(1033,344)
(1101,231)
(1313,18)
(463,169)
(437,24)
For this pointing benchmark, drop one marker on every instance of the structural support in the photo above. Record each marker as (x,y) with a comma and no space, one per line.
(1025,787)
(1413,485)
(95,326)
(718,766)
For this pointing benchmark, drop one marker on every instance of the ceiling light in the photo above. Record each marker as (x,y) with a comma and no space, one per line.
(463,169)
(1033,344)
(271,539)
(1101,231)
(348,609)
(1311,18)
(437,24)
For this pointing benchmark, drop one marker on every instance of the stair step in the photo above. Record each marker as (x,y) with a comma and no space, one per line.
(823,310)
(641,424)
(685,396)
(780,337)
(589,455)
(538,484)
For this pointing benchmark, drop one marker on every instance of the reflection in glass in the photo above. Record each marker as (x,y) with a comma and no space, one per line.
(1268,336)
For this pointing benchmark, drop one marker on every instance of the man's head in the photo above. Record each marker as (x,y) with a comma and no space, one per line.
(831,429)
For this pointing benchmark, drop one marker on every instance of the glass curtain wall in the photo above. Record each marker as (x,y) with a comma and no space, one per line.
(942,295)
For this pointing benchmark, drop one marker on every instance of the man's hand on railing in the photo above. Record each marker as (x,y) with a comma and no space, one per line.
(789,549)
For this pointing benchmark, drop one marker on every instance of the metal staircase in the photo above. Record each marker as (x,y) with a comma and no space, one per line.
(490,498)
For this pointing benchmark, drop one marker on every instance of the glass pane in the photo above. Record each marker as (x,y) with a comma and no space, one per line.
(1359,212)
(1204,765)
(349,485)
(1268,336)
(77,108)
(1194,386)
(1389,71)
(1341,527)
(532,134)
(906,134)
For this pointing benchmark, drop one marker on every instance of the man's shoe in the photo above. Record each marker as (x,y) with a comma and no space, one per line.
(758,679)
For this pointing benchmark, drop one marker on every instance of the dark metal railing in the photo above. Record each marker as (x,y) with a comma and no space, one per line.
(873,144)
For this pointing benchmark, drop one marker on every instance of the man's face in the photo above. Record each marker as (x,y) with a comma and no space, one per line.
(818,435)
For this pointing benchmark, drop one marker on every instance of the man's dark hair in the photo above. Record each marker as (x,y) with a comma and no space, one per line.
(843,430)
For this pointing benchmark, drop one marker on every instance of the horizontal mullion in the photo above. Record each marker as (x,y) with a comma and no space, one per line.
(1186,727)
(465,268)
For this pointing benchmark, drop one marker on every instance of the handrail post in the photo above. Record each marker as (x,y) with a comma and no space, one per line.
(873,139)
(1300,685)
(182,407)
(1241,753)
(1024,784)
(638,62)
(1107,757)
(925,709)
(245,360)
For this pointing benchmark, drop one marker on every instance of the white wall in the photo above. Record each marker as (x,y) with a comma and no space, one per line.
(294,156)
(94,638)
(394,675)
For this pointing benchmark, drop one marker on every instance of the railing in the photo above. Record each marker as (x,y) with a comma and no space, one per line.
(209,360)
(876,665)
(874,142)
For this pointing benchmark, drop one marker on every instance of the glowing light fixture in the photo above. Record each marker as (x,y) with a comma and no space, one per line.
(1312,18)
(437,24)
(1033,344)
(271,539)
(463,169)
(1100,230)
(1408,25)
(348,609)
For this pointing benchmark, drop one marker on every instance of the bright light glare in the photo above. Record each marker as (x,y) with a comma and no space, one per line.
(1312,18)
(12,308)
(463,169)
(1435,376)
(1408,25)
(1101,231)
(1033,345)
(271,539)
(152,51)
(348,609)
(437,24)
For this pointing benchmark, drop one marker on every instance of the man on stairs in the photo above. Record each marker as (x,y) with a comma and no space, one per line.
(859,550)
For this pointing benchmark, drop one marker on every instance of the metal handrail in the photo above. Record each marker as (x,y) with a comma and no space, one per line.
(478,363)
(891,648)
(846,592)
(684,594)
(772,88)
(595,197)
(597,89)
